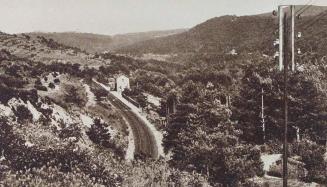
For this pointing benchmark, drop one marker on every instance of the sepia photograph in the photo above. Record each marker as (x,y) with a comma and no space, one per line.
(163,93)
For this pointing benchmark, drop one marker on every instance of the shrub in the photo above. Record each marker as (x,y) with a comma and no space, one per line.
(13,82)
(28,95)
(4,55)
(313,157)
(56,81)
(26,36)
(38,81)
(51,85)
(48,176)
(23,114)
(74,97)
(13,71)
(6,93)
(45,121)
(30,164)
(40,87)
(99,134)
(159,173)
(71,130)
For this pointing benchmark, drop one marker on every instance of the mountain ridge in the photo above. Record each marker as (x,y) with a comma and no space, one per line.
(227,33)
(93,43)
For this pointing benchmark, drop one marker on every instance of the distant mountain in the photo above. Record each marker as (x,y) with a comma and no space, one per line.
(220,34)
(98,43)
(228,34)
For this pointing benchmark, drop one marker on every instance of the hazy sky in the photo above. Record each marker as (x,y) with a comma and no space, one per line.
(123,16)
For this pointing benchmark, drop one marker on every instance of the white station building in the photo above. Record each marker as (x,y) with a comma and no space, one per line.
(122,82)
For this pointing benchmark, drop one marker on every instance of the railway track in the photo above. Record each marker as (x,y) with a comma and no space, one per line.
(145,143)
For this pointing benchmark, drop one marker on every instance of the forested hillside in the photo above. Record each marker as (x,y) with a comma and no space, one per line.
(93,43)
(57,127)
(212,95)
(220,35)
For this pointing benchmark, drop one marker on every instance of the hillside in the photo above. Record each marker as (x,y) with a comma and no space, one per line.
(221,35)
(98,43)
(58,126)
(47,51)
(61,124)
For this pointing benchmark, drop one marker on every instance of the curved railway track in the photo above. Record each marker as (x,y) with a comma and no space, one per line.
(145,143)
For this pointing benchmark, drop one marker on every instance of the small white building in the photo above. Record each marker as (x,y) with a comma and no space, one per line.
(122,82)
(233,52)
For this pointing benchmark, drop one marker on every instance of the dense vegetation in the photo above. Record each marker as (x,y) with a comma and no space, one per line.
(43,152)
(215,135)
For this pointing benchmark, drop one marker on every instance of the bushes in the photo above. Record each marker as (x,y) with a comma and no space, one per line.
(51,85)
(234,165)
(272,147)
(74,97)
(159,173)
(13,71)
(40,87)
(313,157)
(9,90)
(6,93)
(12,81)
(4,55)
(65,159)
(72,130)
(28,95)
(23,114)
(56,81)
(99,133)
(202,138)
(41,177)
(32,164)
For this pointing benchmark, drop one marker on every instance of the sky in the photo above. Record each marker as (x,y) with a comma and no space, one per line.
(124,16)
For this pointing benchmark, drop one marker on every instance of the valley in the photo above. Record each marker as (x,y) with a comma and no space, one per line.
(185,107)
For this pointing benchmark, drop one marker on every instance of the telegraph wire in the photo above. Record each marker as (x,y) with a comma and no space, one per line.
(302,9)
(313,20)
(305,7)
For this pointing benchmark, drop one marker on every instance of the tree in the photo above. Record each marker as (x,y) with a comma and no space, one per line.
(23,114)
(13,71)
(72,130)
(202,137)
(306,107)
(6,93)
(51,85)
(74,97)
(57,81)
(99,134)
(312,155)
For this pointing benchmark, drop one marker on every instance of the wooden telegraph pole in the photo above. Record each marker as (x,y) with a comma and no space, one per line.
(286,51)
(263,116)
